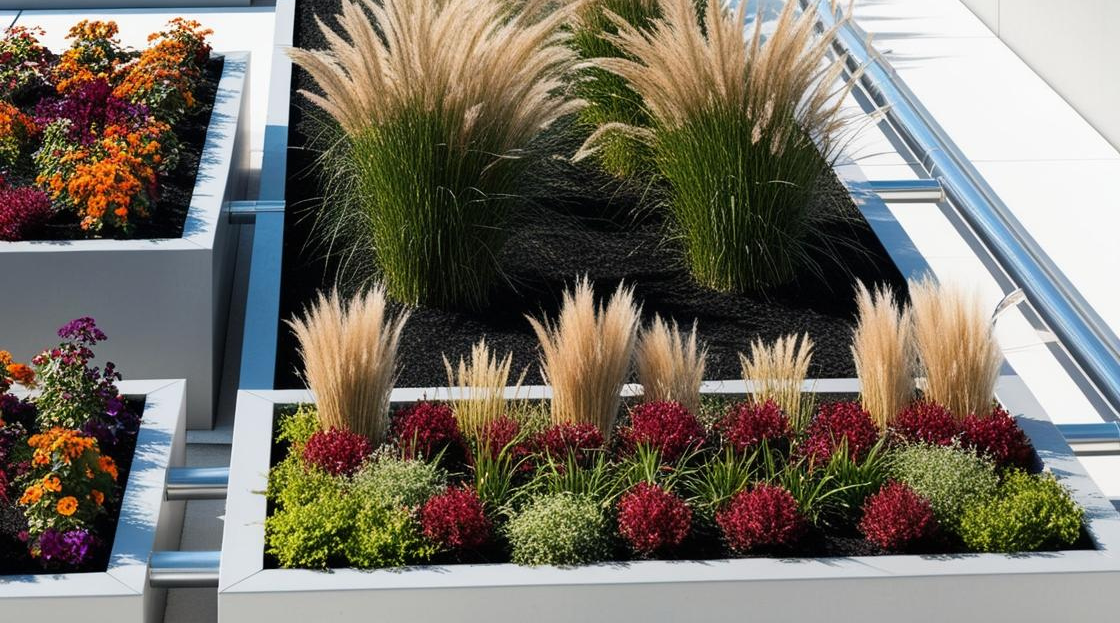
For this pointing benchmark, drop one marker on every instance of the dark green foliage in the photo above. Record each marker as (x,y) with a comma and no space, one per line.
(1030,512)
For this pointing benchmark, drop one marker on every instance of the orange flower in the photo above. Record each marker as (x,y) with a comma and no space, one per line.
(5,358)
(52,483)
(67,506)
(31,495)
(21,373)
(97,497)
(107,465)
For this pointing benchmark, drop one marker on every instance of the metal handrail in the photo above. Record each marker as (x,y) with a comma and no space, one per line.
(1089,341)
(908,191)
(195,569)
(197,483)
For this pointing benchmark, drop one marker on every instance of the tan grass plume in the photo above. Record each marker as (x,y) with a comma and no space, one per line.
(883,350)
(481,383)
(670,365)
(482,65)
(587,353)
(778,370)
(679,71)
(957,349)
(349,353)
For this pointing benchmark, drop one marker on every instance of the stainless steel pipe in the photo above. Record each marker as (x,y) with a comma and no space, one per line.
(1090,342)
(908,191)
(184,569)
(197,483)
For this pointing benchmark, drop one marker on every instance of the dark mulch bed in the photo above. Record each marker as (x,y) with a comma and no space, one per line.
(14,559)
(176,188)
(578,222)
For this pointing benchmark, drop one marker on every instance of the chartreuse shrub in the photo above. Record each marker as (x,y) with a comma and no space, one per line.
(951,478)
(560,529)
(741,128)
(437,103)
(1031,512)
(399,482)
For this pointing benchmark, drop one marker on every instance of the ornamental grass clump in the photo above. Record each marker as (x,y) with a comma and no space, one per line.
(883,350)
(437,103)
(586,355)
(482,384)
(742,128)
(670,365)
(349,353)
(957,349)
(777,372)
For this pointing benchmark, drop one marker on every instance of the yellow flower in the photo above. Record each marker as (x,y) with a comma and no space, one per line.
(31,495)
(52,483)
(67,506)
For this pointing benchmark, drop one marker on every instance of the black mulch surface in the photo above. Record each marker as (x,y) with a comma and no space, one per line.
(14,559)
(578,222)
(169,214)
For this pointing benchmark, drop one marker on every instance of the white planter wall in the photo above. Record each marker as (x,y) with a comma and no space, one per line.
(1059,586)
(163,303)
(117,4)
(1072,44)
(148,522)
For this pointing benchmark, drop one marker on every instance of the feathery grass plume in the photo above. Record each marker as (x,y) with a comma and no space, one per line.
(349,353)
(586,354)
(883,350)
(778,371)
(481,384)
(957,349)
(742,129)
(670,365)
(437,101)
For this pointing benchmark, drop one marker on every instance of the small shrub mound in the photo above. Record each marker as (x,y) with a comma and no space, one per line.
(896,518)
(426,429)
(498,434)
(337,452)
(653,520)
(926,422)
(748,424)
(667,427)
(399,482)
(1032,512)
(578,440)
(762,518)
(23,212)
(455,520)
(836,424)
(998,435)
(560,529)
(950,477)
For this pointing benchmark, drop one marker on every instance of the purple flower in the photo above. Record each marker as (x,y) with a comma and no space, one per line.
(23,212)
(90,108)
(83,330)
(72,547)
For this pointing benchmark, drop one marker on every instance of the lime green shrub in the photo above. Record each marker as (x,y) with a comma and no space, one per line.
(950,477)
(1031,512)
(560,529)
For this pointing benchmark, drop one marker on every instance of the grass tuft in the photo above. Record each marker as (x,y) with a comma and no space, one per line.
(957,349)
(586,354)
(349,353)
(883,350)
(742,130)
(481,384)
(437,102)
(670,365)
(778,371)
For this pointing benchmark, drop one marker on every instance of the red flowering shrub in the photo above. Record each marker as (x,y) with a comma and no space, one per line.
(666,426)
(337,452)
(835,423)
(897,518)
(998,436)
(427,428)
(762,517)
(497,434)
(748,423)
(560,440)
(653,520)
(455,519)
(926,422)
(22,212)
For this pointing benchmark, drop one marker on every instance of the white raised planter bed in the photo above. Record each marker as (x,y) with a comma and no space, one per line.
(164,303)
(147,522)
(90,5)
(1052,586)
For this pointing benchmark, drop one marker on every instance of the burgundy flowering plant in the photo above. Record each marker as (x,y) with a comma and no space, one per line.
(998,436)
(897,519)
(23,212)
(652,520)
(667,427)
(428,430)
(926,422)
(761,518)
(839,424)
(580,442)
(337,452)
(456,520)
(748,424)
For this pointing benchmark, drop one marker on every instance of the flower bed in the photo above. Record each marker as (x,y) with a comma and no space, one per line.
(180,257)
(83,462)
(771,581)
